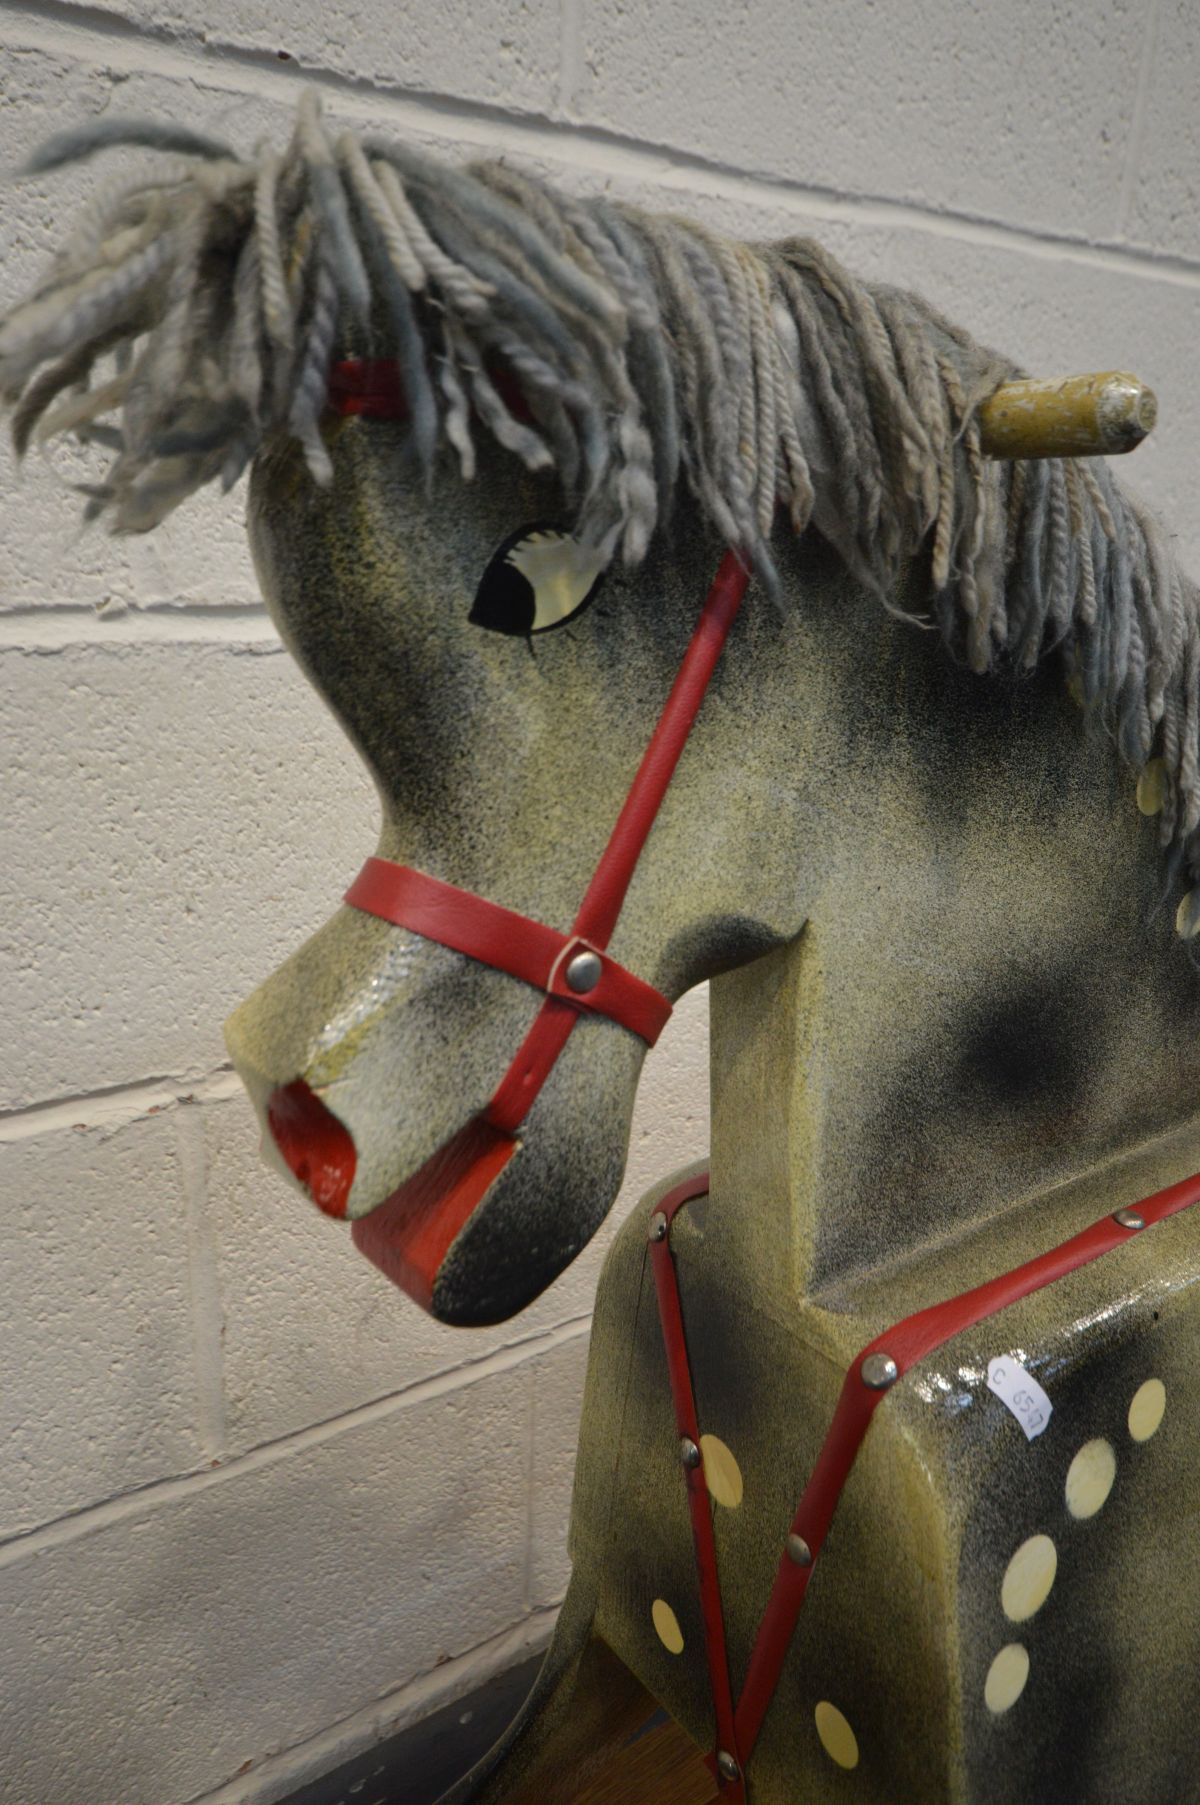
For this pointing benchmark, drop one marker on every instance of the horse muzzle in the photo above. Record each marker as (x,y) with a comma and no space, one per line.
(409,1234)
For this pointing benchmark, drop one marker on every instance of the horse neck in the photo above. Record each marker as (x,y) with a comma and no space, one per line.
(988,996)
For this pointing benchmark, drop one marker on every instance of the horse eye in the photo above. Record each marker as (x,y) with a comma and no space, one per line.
(540,578)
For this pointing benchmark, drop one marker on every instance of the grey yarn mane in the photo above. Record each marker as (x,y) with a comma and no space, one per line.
(194,314)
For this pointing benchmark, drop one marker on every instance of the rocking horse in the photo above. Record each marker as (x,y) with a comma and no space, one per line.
(785,638)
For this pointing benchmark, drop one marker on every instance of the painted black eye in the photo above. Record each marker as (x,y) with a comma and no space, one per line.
(540,578)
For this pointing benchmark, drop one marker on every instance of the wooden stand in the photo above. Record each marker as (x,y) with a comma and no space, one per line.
(617,1746)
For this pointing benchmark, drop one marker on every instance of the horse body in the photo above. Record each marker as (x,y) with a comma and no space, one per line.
(955,1024)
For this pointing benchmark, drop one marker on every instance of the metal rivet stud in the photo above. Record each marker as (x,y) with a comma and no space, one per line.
(583,973)
(727,1767)
(658,1226)
(799,1551)
(879,1371)
(1129,1218)
(689,1453)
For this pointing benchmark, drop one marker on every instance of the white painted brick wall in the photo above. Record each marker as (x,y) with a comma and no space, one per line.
(96,1344)
(254,1509)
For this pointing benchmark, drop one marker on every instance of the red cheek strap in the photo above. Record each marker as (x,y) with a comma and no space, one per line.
(566,966)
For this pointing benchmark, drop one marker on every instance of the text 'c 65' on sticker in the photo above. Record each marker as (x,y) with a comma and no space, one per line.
(1021,1392)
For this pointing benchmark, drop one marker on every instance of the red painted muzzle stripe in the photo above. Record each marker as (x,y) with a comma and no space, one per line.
(410,1234)
(908,1341)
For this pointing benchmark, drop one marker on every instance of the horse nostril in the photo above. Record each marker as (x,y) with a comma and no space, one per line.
(318,1149)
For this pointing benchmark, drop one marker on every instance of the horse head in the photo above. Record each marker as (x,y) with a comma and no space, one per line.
(388,1064)
(657,413)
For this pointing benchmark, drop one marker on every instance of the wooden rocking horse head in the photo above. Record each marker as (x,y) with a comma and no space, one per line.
(600,782)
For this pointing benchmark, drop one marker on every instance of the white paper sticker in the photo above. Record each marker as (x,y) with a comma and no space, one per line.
(1021,1392)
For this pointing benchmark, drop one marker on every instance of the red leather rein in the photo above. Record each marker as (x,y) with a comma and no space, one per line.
(410,1234)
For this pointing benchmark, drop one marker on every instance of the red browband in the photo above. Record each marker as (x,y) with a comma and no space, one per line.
(371,386)
(374,388)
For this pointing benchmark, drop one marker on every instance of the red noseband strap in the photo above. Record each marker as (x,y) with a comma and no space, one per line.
(562,965)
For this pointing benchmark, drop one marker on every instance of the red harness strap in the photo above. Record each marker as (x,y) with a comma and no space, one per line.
(666,1284)
(906,1343)
(514,943)
(409,1235)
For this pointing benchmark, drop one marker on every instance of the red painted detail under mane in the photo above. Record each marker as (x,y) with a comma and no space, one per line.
(374,388)
(369,386)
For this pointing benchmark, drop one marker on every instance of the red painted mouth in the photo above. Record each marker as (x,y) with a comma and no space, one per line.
(318,1149)
(410,1233)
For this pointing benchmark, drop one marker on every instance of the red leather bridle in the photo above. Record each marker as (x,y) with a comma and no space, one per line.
(409,1235)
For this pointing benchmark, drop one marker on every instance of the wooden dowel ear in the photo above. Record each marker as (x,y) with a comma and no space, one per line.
(1073,416)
